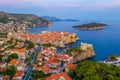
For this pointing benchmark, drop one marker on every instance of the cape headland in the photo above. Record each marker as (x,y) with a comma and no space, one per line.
(84,51)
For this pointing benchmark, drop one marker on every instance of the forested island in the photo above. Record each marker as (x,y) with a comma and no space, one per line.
(90,26)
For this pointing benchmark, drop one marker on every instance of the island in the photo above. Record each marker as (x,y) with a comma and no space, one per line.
(90,26)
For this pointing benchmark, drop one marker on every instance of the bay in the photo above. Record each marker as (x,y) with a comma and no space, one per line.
(105,41)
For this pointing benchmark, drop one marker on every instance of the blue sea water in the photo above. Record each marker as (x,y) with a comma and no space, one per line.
(105,41)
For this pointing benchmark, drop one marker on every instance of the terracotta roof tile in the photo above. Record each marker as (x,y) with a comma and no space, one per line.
(59,76)
(70,66)
(18,74)
(2,69)
(6,77)
(13,62)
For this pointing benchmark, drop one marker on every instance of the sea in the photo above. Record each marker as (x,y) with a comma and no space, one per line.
(105,41)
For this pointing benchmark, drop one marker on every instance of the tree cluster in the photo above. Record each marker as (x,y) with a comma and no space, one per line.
(91,70)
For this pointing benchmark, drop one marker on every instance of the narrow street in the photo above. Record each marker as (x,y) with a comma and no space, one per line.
(29,72)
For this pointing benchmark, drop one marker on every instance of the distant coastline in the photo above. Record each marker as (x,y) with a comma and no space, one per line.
(55,19)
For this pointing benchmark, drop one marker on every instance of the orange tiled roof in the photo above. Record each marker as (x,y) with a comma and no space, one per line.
(55,62)
(2,69)
(58,76)
(45,69)
(44,37)
(71,66)
(39,56)
(18,74)
(38,79)
(20,63)
(13,62)
(38,67)
(57,68)
(19,50)
(6,77)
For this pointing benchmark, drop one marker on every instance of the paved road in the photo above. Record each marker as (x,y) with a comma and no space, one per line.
(29,72)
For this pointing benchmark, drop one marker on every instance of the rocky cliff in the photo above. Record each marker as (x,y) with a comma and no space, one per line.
(72,38)
(86,52)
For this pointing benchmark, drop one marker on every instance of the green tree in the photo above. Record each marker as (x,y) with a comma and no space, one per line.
(109,77)
(10,41)
(28,60)
(47,45)
(76,50)
(0,58)
(12,56)
(113,57)
(91,70)
(71,37)
(10,71)
(30,44)
(38,74)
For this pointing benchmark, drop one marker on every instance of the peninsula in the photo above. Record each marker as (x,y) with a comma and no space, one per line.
(90,26)
(84,51)
(59,39)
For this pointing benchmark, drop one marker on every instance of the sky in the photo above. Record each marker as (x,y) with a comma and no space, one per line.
(74,9)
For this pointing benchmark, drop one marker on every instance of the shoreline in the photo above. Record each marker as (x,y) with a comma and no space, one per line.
(90,28)
(86,36)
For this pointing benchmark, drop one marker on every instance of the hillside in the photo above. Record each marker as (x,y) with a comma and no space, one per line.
(90,26)
(5,18)
(34,19)
(28,19)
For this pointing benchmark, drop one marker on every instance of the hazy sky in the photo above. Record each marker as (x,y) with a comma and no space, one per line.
(76,9)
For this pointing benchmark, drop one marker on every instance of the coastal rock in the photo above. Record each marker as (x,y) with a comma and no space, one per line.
(71,39)
(87,52)
(59,39)
(59,44)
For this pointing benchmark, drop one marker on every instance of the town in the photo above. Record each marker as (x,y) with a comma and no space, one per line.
(22,55)
(34,56)
(26,56)
(15,58)
(59,40)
